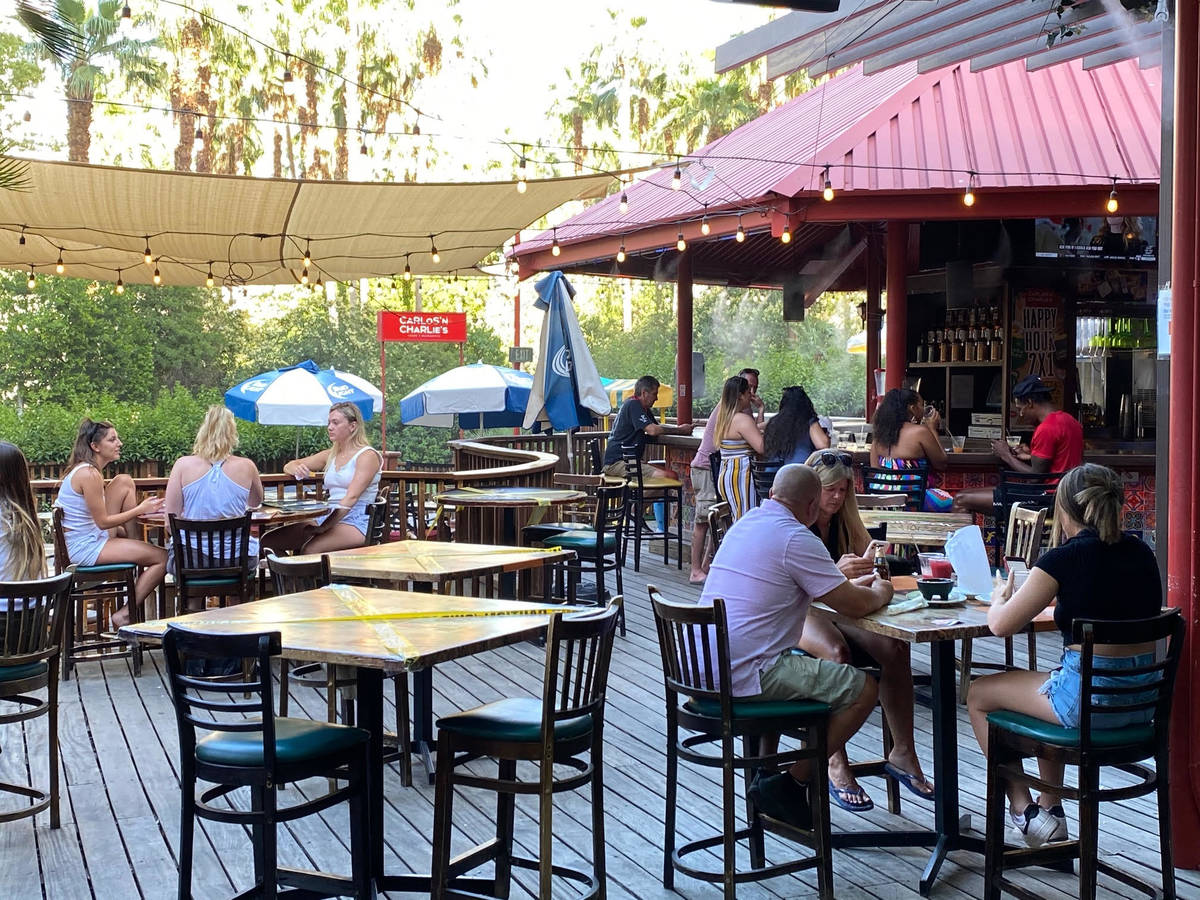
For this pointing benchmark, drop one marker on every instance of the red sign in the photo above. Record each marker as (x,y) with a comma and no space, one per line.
(422,326)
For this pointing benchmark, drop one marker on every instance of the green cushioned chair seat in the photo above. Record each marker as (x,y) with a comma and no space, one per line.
(1038,730)
(213,582)
(757,709)
(108,567)
(581,539)
(512,719)
(541,532)
(296,740)
(17,673)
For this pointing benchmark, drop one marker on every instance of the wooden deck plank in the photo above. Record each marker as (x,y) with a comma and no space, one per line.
(120,792)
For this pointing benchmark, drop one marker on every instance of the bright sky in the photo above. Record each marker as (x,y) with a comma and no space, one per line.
(531,42)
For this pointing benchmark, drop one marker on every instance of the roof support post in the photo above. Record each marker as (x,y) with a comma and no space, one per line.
(874,283)
(897,304)
(1183,563)
(683,340)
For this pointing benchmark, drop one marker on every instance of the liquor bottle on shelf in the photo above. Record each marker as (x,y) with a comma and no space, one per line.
(947,339)
(997,346)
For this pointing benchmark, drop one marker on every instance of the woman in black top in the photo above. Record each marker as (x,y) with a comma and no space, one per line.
(1097,573)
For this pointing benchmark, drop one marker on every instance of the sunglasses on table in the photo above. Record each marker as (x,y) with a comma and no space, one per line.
(835,458)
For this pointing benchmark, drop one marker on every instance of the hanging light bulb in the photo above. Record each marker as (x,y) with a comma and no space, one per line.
(21,239)
(27,116)
(304,276)
(363,149)
(199,129)
(786,237)
(522,184)
(1112,205)
(126,22)
(407,269)
(621,252)
(704,226)
(307,256)
(740,236)
(680,243)
(433,254)
(623,206)
(157,276)
(209,280)
(32,282)
(120,283)
(827,193)
(969,193)
(146,254)
(555,250)
(60,266)
(677,178)
(289,80)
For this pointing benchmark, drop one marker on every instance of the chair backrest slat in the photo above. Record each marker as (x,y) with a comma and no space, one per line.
(1025,528)
(189,691)
(1122,695)
(211,547)
(294,576)
(911,483)
(578,652)
(689,636)
(34,614)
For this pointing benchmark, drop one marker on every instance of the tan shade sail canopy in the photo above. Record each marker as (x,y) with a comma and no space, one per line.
(100,220)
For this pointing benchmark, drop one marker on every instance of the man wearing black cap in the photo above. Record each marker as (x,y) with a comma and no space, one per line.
(1057,443)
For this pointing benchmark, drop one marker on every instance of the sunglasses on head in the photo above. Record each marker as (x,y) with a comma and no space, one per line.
(833,458)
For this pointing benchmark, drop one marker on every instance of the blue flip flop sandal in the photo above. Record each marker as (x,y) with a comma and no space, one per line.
(853,799)
(909,781)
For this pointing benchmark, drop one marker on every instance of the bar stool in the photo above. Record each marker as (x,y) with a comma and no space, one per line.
(96,593)
(648,491)
(555,730)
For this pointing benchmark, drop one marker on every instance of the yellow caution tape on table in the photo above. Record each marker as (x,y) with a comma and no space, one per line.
(390,638)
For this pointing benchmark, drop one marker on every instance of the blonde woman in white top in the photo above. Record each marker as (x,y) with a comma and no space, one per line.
(352,470)
(98,519)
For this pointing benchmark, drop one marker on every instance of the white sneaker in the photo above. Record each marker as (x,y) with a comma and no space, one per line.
(1038,826)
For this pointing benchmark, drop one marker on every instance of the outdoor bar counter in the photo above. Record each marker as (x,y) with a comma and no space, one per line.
(976,467)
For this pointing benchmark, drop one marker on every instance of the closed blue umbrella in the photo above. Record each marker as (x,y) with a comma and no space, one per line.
(567,392)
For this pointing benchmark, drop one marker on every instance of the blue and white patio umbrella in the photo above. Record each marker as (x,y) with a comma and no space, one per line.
(300,395)
(479,395)
(567,392)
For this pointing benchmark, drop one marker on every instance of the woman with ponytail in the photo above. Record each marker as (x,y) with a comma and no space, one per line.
(1097,573)
(22,553)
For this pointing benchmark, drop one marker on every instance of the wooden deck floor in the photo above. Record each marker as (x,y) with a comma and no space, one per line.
(120,793)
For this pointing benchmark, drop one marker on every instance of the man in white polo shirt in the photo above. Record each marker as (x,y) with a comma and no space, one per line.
(769,569)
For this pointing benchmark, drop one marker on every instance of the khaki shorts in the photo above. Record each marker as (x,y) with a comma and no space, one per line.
(798,676)
(706,494)
(617,470)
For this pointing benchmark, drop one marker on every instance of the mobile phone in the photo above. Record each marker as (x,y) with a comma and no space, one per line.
(1019,569)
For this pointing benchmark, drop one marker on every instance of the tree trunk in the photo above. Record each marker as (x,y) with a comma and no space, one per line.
(79,128)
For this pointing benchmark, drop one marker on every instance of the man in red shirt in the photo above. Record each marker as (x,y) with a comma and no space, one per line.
(1057,444)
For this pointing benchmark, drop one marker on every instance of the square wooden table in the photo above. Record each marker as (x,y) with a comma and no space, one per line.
(377,632)
(931,626)
(440,564)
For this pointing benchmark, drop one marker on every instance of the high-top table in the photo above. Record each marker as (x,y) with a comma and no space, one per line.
(939,627)
(377,632)
(439,564)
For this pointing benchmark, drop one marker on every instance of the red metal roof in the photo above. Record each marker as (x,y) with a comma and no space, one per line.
(901,135)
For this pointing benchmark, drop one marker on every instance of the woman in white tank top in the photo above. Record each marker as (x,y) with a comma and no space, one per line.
(99,518)
(352,470)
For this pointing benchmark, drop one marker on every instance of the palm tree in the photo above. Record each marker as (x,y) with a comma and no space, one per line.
(14,173)
(82,41)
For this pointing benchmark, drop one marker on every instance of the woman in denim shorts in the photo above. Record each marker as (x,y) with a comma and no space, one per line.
(1097,573)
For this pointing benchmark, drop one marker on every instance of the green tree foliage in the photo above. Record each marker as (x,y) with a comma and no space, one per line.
(72,338)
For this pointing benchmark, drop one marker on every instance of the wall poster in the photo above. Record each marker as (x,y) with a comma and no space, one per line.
(1039,344)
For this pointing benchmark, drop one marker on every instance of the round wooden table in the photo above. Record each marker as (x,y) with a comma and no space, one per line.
(262,518)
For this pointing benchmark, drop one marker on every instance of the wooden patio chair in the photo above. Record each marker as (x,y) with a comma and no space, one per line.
(33,616)
(1025,528)
(555,731)
(1091,748)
